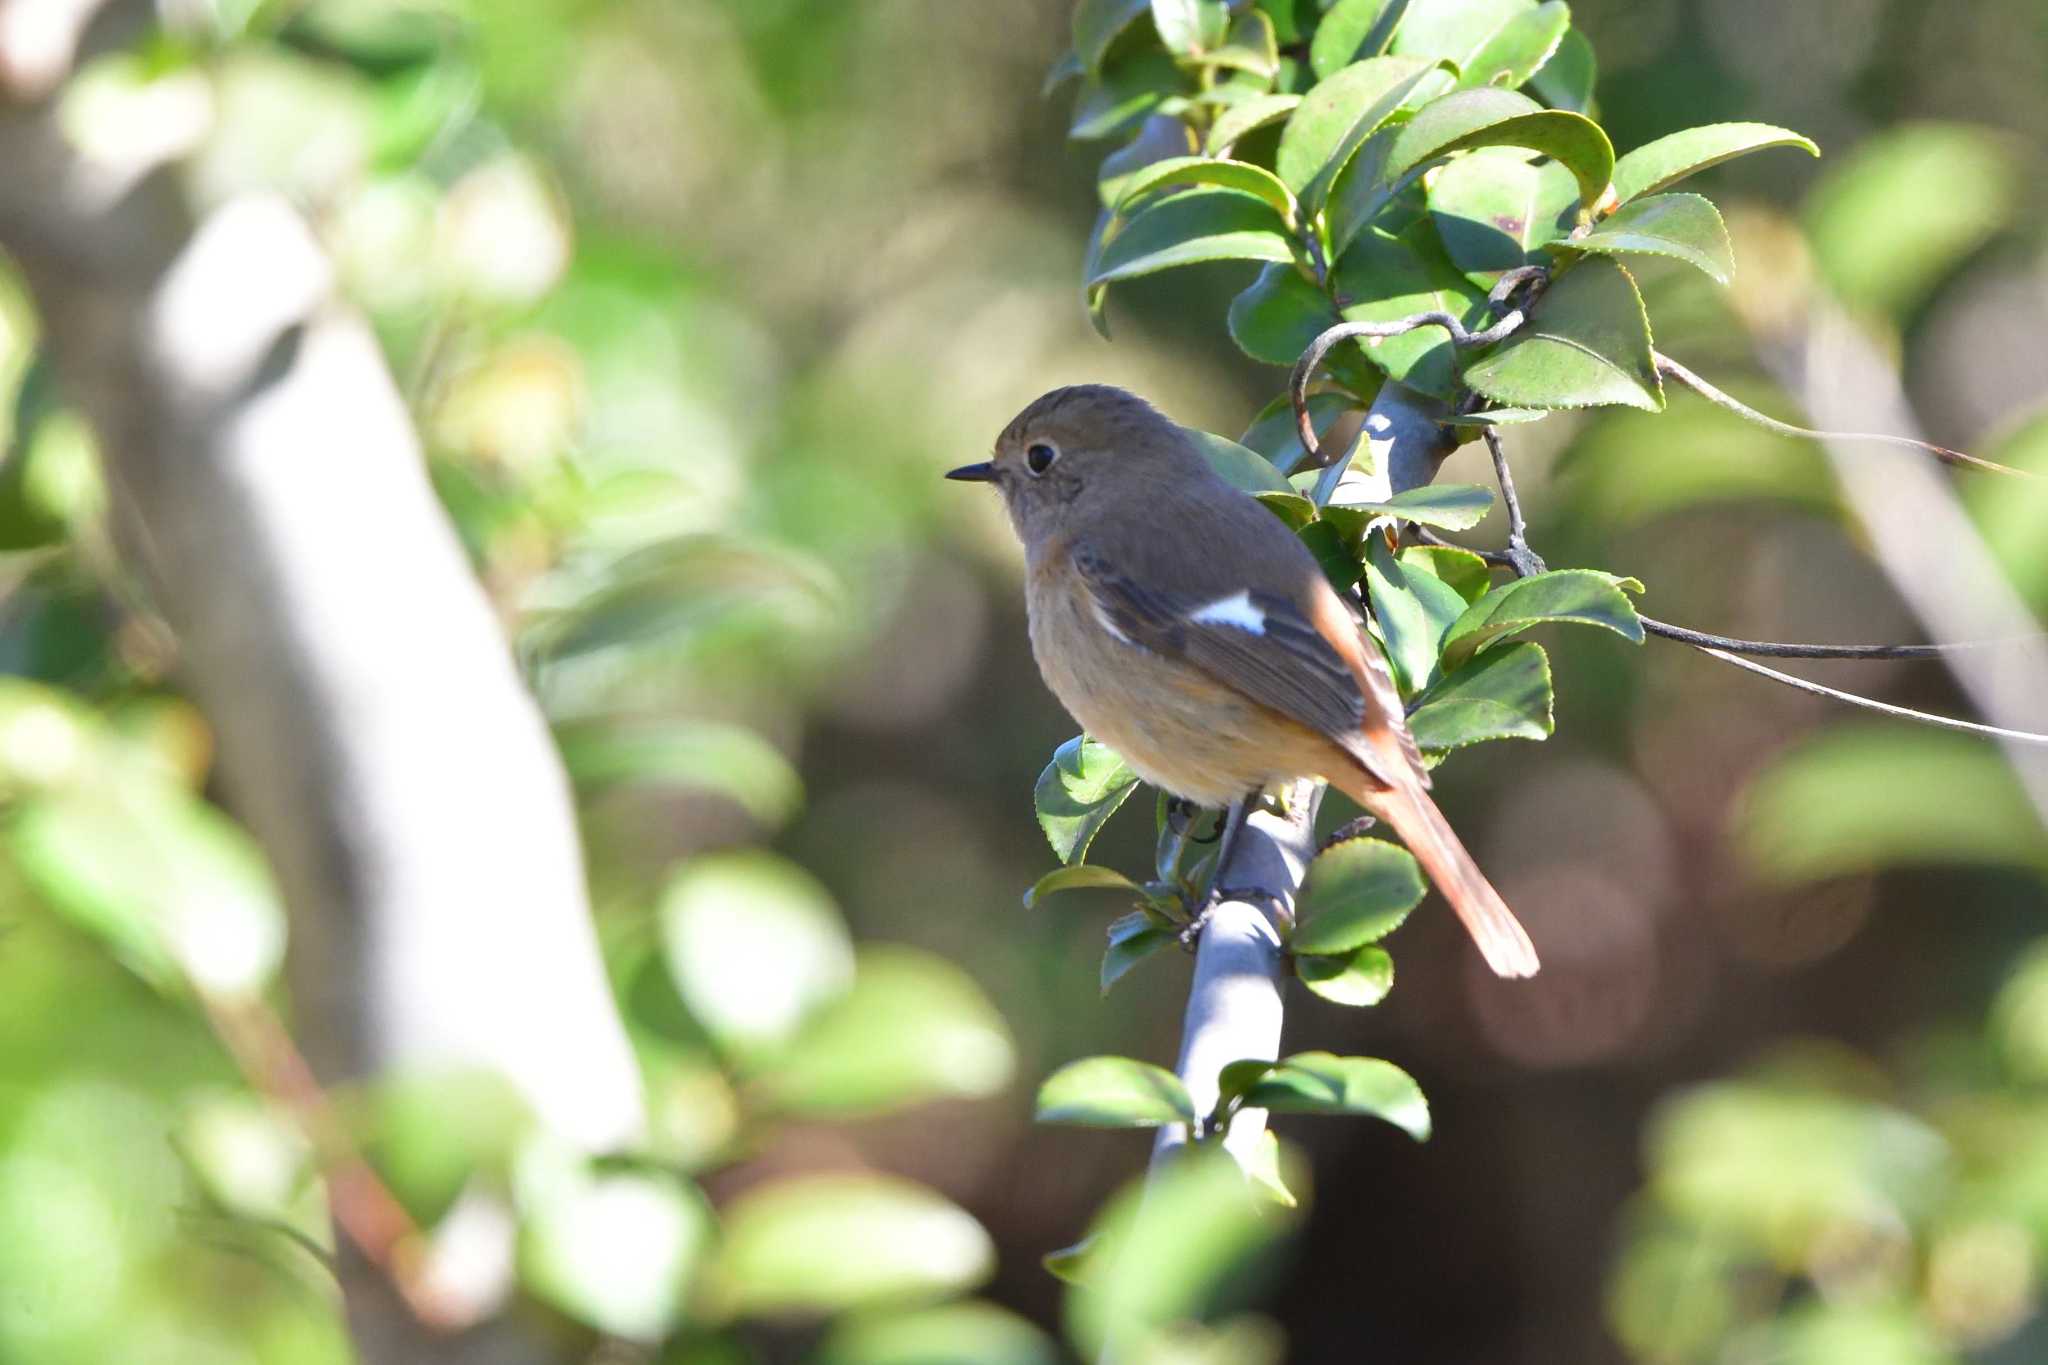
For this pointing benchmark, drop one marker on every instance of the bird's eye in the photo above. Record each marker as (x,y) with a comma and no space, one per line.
(1038,457)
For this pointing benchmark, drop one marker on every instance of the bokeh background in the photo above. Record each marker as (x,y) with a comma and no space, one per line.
(693,301)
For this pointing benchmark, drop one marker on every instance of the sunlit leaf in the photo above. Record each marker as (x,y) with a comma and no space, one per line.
(1586,343)
(616,1249)
(1502,118)
(1201,170)
(1321,1083)
(1162,138)
(1684,227)
(1578,596)
(1360,977)
(1670,159)
(1353,30)
(1357,893)
(1250,46)
(1503,694)
(1494,207)
(1191,227)
(1132,939)
(1467,574)
(1085,784)
(1518,48)
(1413,609)
(1124,93)
(1278,315)
(1247,117)
(1188,27)
(689,754)
(1450,506)
(1385,278)
(1566,81)
(1337,115)
(970,1333)
(1098,23)
(1113,1092)
(1239,467)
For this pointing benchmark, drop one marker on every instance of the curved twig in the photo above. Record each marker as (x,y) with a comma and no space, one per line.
(1872,704)
(1312,358)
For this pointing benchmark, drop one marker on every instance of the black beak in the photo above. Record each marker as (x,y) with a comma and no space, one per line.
(974,473)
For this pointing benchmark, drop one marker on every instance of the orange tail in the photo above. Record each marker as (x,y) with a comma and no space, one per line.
(1500,936)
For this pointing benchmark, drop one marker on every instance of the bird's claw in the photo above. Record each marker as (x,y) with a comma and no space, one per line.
(1191,932)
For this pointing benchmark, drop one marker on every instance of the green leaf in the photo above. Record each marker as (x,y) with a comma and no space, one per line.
(1502,694)
(1861,798)
(1251,46)
(695,755)
(1466,573)
(969,1333)
(1566,81)
(1113,1092)
(1333,554)
(1581,596)
(1132,939)
(1448,506)
(1293,508)
(913,1028)
(618,1250)
(1073,1264)
(1339,114)
(1201,170)
(1278,315)
(1494,208)
(1457,31)
(1079,790)
(821,1244)
(1502,118)
(1189,27)
(1320,1083)
(1413,609)
(1670,159)
(1356,893)
(1352,30)
(1386,278)
(1361,977)
(1239,120)
(1518,49)
(1122,95)
(1194,226)
(1586,343)
(1162,138)
(754,946)
(1098,24)
(1273,434)
(1080,877)
(1240,468)
(1066,68)
(1683,226)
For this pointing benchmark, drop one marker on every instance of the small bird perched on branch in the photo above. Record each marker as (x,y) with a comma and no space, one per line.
(1186,627)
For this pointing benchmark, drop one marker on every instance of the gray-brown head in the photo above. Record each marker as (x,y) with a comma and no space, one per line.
(1082,447)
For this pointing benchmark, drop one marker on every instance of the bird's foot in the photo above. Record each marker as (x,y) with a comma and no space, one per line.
(1191,932)
(1350,829)
(1181,815)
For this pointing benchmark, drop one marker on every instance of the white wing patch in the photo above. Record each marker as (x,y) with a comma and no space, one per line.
(1235,610)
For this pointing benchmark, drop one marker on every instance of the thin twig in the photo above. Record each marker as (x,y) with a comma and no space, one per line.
(1312,358)
(1872,704)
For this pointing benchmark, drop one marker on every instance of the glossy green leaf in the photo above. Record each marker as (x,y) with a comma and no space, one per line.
(1386,278)
(1448,506)
(1240,468)
(1577,596)
(1586,343)
(1502,118)
(1465,572)
(1356,893)
(689,754)
(1278,315)
(1337,115)
(1256,181)
(1321,1083)
(912,1028)
(1250,46)
(618,1250)
(1098,24)
(1682,226)
(1113,1092)
(1670,159)
(1293,508)
(1125,93)
(1132,939)
(754,946)
(1085,784)
(1518,48)
(1273,433)
(1351,31)
(1503,694)
(1457,31)
(1566,81)
(1239,120)
(821,1244)
(1191,227)
(1860,798)
(1494,207)
(1162,138)
(1189,27)
(1360,977)
(1413,609)
(1080,877)
(970,1333)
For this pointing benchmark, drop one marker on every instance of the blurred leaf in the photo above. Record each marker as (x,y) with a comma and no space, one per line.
(1450,506)
(1073,1264)
(1066,68)
(1357,893)
(971,1333)
(1465,572)
(1360,977)
(1864,797)
(1903,211)
(1494,207)
(1080,877)
(1201,170)
(433,1133)
(1337,116)
(1170,1249)
(617,1249)
(1097,24)
(254,1162)
(1132,939)
(1191,227)
(1238,120)
(1502,694)
(1189,27)
(1566,81)
(1413,608)
(1582,596)
(1670,159)
(1321,1083)
(1161,139)
(416,108)
(754,945)
(1278,315)
(1292,508)
(376,35)
(913,1028)
(694,755)
(1702,455)
(1250,46)
(1384,278)
(1586,343)
(1263,1164)
(1518,48)
(1113,1092)
(32,503)
(1502,118)
(1123,94)
(822,1244)
(1351,31)
(1682,226)
(1239,467)
(2010,512)
(1085,784)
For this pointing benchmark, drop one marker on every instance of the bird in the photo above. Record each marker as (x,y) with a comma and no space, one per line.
(1186,627)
